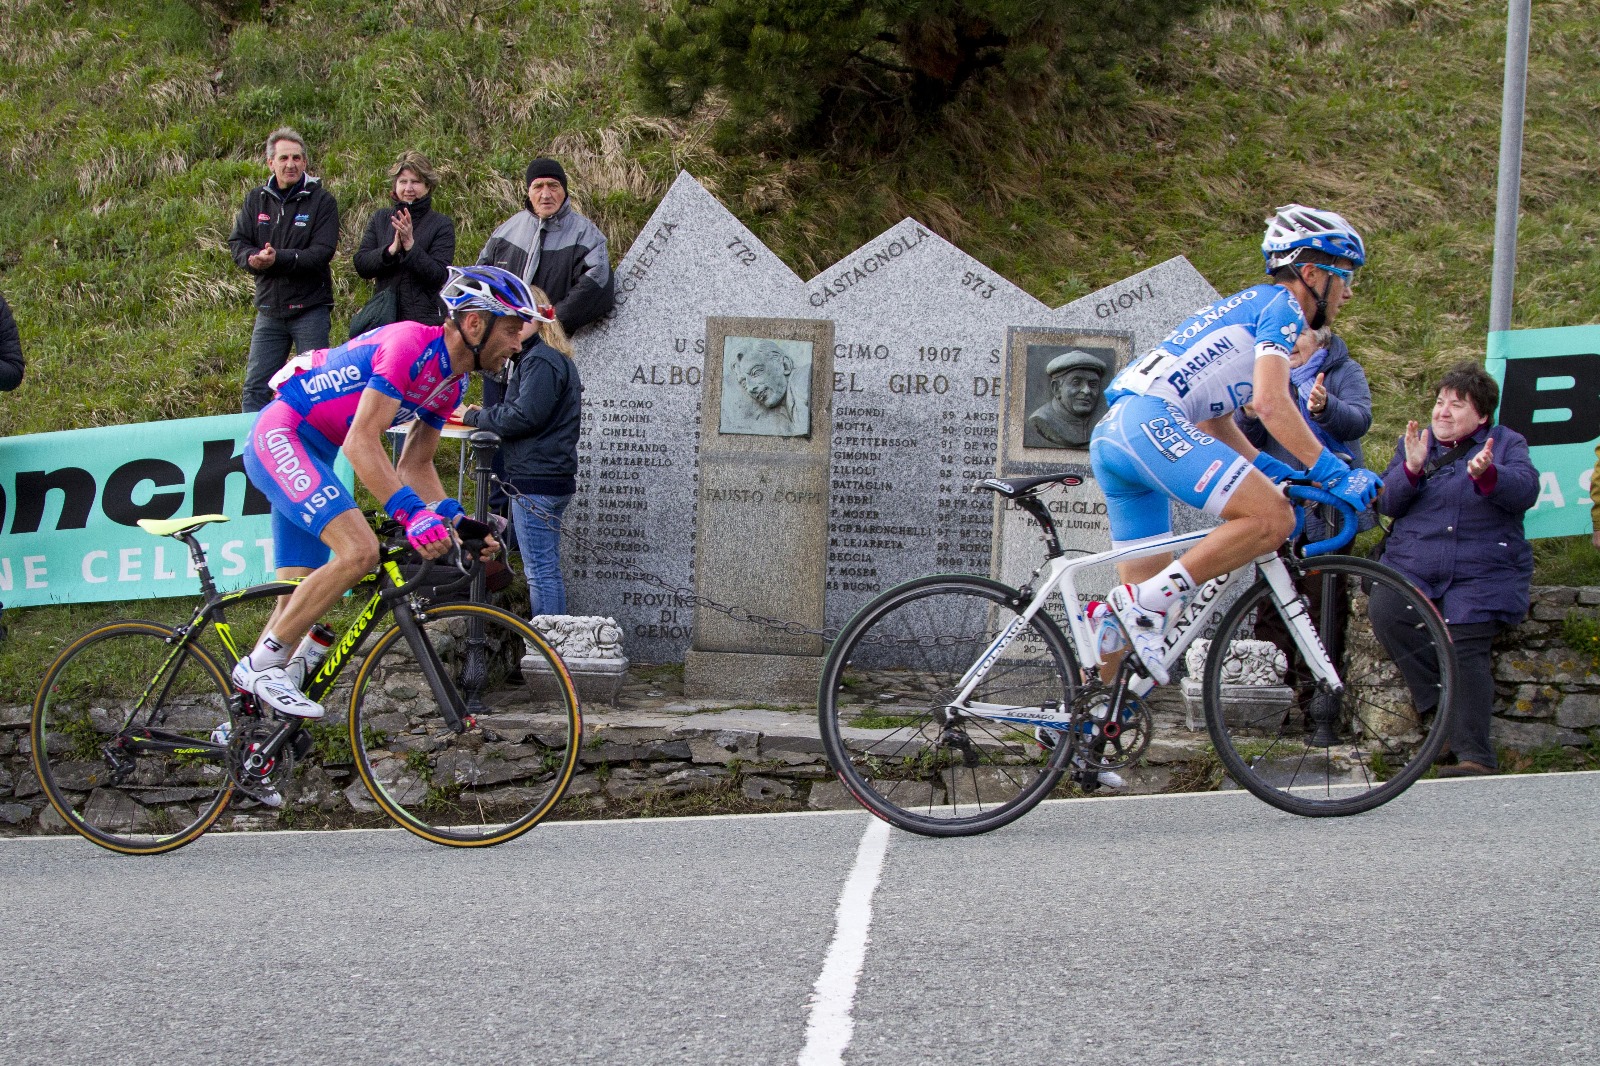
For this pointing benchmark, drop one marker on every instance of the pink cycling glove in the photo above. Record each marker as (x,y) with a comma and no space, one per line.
(426,527)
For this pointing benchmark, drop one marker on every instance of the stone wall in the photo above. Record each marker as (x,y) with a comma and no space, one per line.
(660,752)
(1545,693)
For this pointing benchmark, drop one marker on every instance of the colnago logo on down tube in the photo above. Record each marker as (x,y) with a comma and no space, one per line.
(1203,599)
(1005,641)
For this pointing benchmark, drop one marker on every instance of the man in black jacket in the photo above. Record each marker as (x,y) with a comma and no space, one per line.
(10,349)
(286,235)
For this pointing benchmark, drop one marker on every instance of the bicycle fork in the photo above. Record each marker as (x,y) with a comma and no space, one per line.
(1292,607)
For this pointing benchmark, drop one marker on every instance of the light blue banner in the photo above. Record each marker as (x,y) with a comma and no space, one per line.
(1550,393)
(69,503)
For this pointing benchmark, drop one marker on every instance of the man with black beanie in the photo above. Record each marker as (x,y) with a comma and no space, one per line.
(551,247)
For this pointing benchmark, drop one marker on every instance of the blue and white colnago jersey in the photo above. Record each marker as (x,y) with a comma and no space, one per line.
(1206,367)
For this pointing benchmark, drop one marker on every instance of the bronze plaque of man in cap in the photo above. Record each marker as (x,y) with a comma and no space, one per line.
(1077,389)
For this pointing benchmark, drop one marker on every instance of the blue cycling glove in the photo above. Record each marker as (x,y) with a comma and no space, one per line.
(1273,468)
(1357,487)
(450,510)
(1328,469)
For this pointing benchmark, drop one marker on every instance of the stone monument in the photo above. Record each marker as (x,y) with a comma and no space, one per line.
(762,527)
(920,330)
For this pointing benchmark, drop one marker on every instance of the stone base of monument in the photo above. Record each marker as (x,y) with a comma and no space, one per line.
(1242,705)
(594,680)
(731,675)
(591,648)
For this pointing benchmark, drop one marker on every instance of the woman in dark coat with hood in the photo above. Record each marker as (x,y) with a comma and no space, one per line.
(408,245)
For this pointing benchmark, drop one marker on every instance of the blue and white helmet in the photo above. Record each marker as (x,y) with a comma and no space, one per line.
(1294,226)
(493,290)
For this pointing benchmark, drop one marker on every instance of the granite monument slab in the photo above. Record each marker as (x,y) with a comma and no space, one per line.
(763,507)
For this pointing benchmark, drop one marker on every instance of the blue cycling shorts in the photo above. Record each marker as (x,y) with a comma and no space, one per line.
(1145,453)
(292,465)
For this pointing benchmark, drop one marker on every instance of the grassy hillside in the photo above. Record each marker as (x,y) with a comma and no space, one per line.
(132,128)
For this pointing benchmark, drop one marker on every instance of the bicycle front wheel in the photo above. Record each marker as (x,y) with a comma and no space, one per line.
(894,735)
(128,738)
(497,779)
(1315,752)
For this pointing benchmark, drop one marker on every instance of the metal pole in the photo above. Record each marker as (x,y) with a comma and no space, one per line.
(1513,105)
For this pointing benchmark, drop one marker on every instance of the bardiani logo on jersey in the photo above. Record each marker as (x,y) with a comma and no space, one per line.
(301,220)
(1211,472)
(1221,346)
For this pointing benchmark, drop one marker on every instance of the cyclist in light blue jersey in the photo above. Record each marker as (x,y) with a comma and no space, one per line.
(1169,433)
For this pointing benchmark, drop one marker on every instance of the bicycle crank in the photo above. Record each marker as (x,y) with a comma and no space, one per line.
(1105,741)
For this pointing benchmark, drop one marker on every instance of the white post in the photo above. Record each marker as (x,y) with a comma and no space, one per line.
(1513,105)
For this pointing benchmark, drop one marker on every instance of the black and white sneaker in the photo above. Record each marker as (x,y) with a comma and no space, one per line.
(275,690)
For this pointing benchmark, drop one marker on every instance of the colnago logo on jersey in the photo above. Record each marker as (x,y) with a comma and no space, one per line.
(1188,332)
(333,380)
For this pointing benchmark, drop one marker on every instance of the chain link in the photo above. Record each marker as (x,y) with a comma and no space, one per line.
(738,614)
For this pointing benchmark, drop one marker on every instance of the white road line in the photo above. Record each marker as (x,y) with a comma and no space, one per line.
(831,1024)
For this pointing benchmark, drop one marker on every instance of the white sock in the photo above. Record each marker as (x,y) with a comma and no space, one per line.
(1166,590)
(268,652)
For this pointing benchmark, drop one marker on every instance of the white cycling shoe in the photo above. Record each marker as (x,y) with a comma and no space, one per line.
(275,690)
(1146,631)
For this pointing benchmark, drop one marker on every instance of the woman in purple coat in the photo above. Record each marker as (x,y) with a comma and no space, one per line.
(1457,496)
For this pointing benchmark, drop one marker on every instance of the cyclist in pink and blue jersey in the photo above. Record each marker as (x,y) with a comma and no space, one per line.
(1169,433)
(344,399)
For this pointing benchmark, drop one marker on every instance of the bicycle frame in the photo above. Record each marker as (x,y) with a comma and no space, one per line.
(212,612)
(1060,575)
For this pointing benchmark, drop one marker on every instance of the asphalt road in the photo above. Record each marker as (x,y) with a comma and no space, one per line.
(1457,925)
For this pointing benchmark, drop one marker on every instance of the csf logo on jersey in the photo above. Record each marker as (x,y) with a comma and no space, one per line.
(263,217)
(1172,441)
(301,220)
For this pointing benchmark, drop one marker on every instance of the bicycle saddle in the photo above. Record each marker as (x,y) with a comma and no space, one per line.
(1013,487)
(177,527)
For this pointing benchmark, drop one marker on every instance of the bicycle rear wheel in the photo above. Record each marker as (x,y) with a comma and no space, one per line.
(494,781)
(888,724)
(1319,753)
(122,736)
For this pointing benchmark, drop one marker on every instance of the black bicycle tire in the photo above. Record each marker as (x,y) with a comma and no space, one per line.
(359,735)
(829,723)
(56,793)
(1240,769)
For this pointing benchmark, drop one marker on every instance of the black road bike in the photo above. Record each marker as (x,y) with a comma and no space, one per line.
(462,721)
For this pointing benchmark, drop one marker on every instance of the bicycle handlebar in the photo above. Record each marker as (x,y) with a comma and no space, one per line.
(469,539)
(1308,492)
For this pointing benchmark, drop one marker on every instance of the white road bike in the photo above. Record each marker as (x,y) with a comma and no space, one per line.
(953,704)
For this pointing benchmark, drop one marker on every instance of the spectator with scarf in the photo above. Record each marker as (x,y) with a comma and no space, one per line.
(1331,389)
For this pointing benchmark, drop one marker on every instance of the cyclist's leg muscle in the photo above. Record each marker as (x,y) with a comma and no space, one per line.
(355,553)
(1256,520)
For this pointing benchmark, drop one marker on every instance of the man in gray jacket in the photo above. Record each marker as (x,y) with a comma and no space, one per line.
(553,248)
(550,246)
